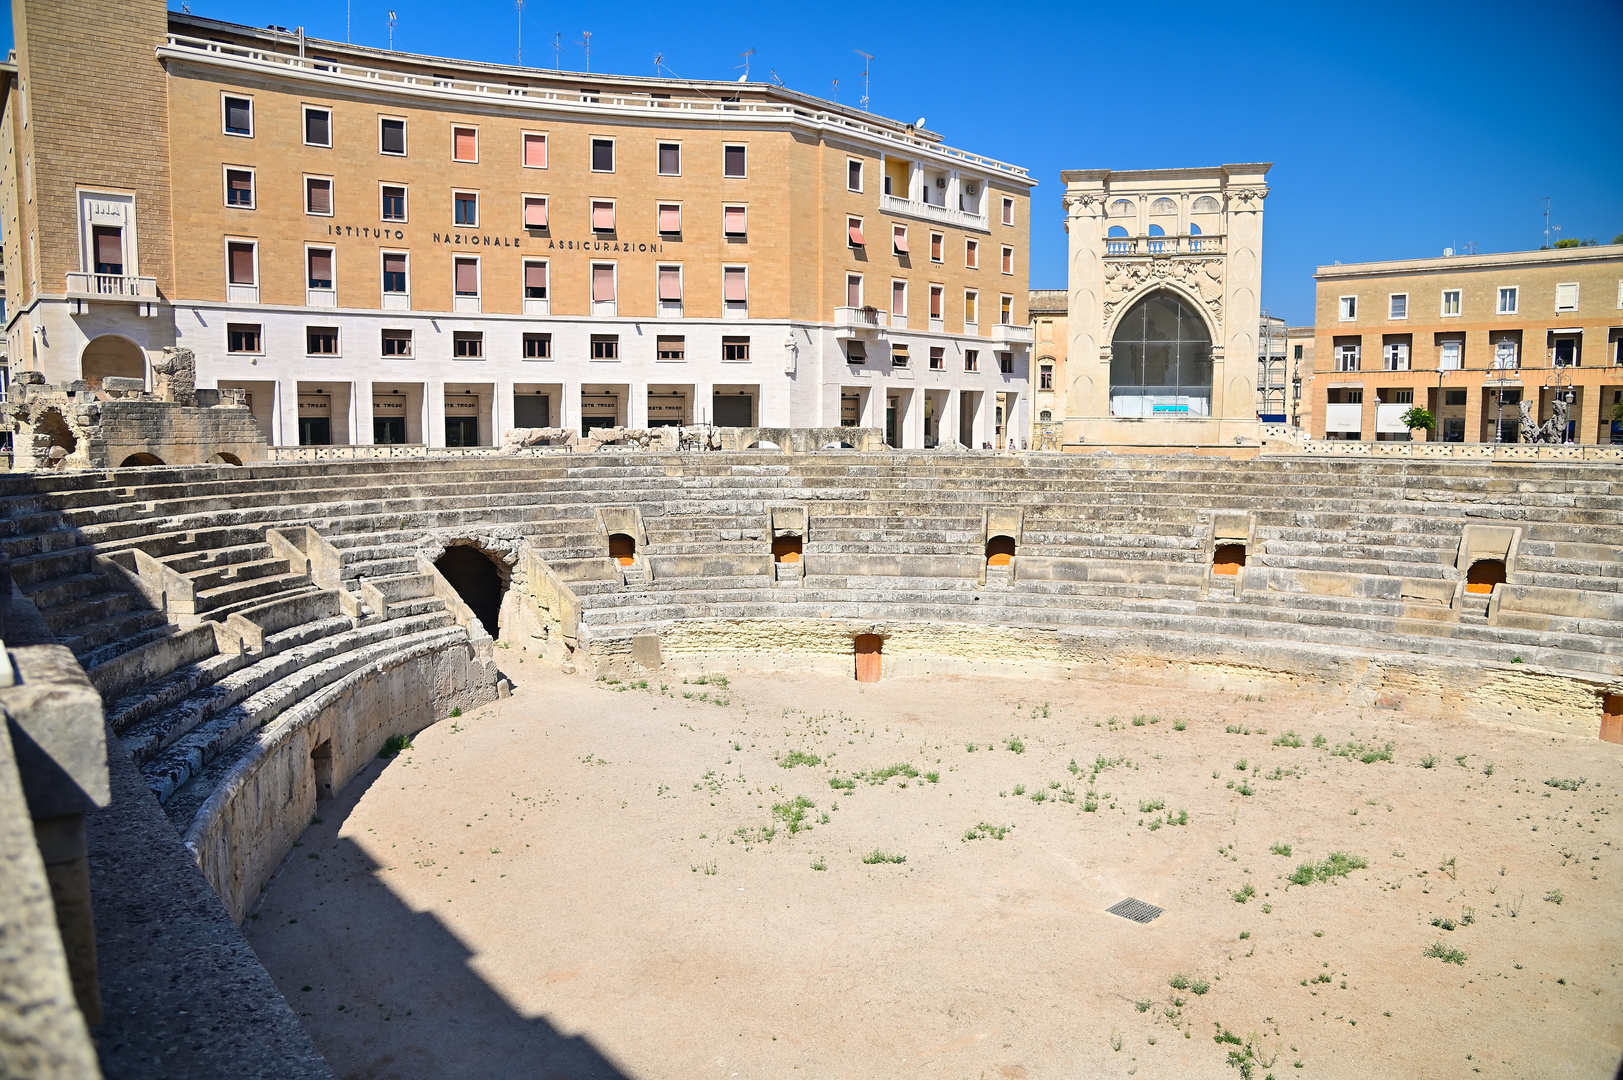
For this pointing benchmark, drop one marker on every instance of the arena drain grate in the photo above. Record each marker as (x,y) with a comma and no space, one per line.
(1136,910)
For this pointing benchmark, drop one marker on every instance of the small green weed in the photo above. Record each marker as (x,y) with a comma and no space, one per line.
(1367,754)
(1149,806)
(1429,761)
(1281,849)
(1179,981)
(1290,738)
(876,856)
(793,813)
(1245,893)
(798,757)
(1179,725)
(1442,952)
(987,830)
(1320,741)
(1554,896)
(394,744)
(1241,765)
(819,864)
(1015,744)
(1565,785)
(1337,864)
(841,783)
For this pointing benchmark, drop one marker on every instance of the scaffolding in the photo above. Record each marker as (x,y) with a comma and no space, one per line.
(1273,375)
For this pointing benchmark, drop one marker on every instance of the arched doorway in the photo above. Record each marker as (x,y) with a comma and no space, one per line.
(623,549)
(137,461)
(867,649)
(477,579)
(111,355)
(223,458)
(786,548)
(1483,575)
(1000,551)
(1161,360)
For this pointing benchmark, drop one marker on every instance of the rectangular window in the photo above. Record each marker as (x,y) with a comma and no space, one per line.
(535,279)
(670,219)
(391,136)
(853,175)
(394,272)
(1045,377)
(602,155)
(321,340)
(1453,397)
(672,349)
(394,203)
(898,355)
(936,292)
(1005,363)
(239,115)
(938,358)
(605,347)
(898,240)
(535,211)
(320,265)
(732,161)
(735,349)
(1448,356)
(466,274)
(1349,308)
(1298,352)
(1347,357)
(1397,306)
(538,346)
(317,126)
(1566,296)
(898,299)
(1395,356)
(856,353)
(937,242)
(467,208)
(853,290)
(670,159)
(735,285)
(971,306)
(239,188)
(1508,300)
(1451,301)
(1403,396)
(972,254)
(1008,259)
(468,345)
(396,343)
(603,283)
(1008,211)
(1005,310)
(603,215)
(670,284)
(318,196)
(972,360)
(535,150)
(464,144)
(242,338)
(853,232)
(240,268)
(733,221)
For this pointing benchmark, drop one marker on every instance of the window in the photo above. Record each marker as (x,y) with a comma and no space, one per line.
(321,340)
(1005,310)
(1045,417)
(853,232)
(898,240)
(734,285)
(317,126)
(733,221)
(394,202)
(396,343)
(971,306)
(735,349)
(239,188)
(603,291)
(937,242)
(319,262)
(602,155)
(1395,356)
(1045,377)
(1298,355)
(467,208)
(241,263)
(853,290)
(466,275)
(602,215)
(1453,397)
(853,175)
(239,115)
(535,279)
(1397,306)
(1005,362)
(670,285)
(1451,301)
(670,159)
(898,355)
(673,349)
(732,161)
(1565,352)
(464,143)
(468,345)
(856,353)
(1349,308)
(1566,296)
(1347,357)
(242,338)
(538,346)
(972,254)
(391,136)
(605,347)
(394,272)
(1508,299)
(318,196)
(1008,211)
(1448,356)
(1008,259)
(936,292)
(535,211)
(938,358)
(972,360)
(1504,354)
(535,150)
(670,219)
(898,299)
(1403,396)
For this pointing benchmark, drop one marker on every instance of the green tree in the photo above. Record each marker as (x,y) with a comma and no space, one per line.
(1417,417)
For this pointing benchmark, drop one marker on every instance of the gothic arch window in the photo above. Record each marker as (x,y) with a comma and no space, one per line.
(1161,360)
(1205,205)
(1163,206)
(1116,231)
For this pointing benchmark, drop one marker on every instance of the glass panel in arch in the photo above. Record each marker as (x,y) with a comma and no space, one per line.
(1161,360)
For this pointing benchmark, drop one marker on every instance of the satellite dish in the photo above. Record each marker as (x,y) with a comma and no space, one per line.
(919,122)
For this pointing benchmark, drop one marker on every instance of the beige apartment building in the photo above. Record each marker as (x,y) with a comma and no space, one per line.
(388,248)
(1469,338)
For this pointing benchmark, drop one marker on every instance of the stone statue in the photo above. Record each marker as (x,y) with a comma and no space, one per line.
(1554,430)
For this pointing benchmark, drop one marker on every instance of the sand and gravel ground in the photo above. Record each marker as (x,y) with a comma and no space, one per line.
(596,880)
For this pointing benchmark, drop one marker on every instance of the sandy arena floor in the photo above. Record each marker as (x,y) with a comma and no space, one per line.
(585,881)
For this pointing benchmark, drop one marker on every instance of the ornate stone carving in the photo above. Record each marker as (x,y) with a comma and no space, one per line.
(1554,430)
(1202,278)
(1248,198)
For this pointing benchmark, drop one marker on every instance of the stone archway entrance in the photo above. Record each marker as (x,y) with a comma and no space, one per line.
(478,580)
(111,355)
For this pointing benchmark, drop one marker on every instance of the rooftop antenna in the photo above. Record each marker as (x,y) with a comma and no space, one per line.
(349,6)
(1548,228)
(391,31)
(746,54)
(519,56)
(775,77)
(659,58)
(586,40)
(557,52)
(867,59)
(835,97)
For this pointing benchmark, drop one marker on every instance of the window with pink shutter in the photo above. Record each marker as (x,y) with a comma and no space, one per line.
(670,218)
(898,297)
(853,230)
(241,263)
(853,291)
(467,277)
(109,249)
(670,283)
(603,216)
(465,144)
(320,196)
(320,268)
(535,151)
(535,281)
(602,282)
(900,239)
(735,290)
(535,212)
(935,301)
(732,221)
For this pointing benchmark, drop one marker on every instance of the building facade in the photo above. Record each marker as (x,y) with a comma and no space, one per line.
(1164,279)
(380,247)
(1050,339)
(1469,338)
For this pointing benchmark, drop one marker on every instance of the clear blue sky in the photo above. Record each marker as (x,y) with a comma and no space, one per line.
(1396,129)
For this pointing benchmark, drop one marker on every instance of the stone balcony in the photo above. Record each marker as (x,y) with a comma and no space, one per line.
(1164,245)
(1011,334)
(964,219)
(83,287)
(861,321)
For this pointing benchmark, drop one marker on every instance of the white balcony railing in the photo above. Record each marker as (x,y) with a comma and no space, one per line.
(1164,245)
(891,204)
(112,286)
(1011,334)
(861,318)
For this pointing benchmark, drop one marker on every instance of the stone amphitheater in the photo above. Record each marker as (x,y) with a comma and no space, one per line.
(255,635)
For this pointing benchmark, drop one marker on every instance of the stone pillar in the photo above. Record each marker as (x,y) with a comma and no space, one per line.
(360,409)
(947,423)
(1234,377)
(501,411)
(637,405)
(1088,354)
(704,405)
(434,413)
(287,412)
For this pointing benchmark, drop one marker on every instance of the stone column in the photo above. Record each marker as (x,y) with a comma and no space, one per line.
(1087,354)
(501,411)
(360,407)
(637,405)
(434,412)
(1234,377)
(287,412)
(947,423)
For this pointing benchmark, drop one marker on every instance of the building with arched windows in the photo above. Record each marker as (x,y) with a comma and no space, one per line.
(1162,308)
